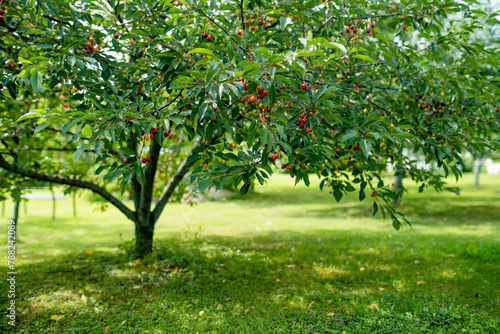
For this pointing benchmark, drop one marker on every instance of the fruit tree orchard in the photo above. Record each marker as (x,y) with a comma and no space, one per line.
(233,90)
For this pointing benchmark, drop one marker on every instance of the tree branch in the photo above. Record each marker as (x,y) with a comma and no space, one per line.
(225,31)
(242,17)
(56,20)
(71,182)
(173,182)
(134,185)
(149,180)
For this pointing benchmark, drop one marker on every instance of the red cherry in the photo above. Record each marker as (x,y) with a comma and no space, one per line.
(209,38)
(303,86)
(215,108)
(373,194)
(290,167)
(496,109)
(143,160)
(152,136)
(148,159)
(322,118)
(170,136)
(66,105)
(283,166)
(337,151)
(116,36)
(137,93)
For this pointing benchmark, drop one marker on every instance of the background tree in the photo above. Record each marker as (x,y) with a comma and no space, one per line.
(239,88)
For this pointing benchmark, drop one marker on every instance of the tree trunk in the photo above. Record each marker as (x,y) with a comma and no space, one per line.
(143,239)
(15,216)
(398,185)
(477,170)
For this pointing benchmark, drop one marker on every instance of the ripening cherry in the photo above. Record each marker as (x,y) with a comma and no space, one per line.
(496,109)
(61,97)
(170,136)
(283,166)
(252,17)
(143,160)
(209,38)
(393,8)
(235,15)
(373,25)
(148,159)
(66,105)
(373,194)
(137,93)
(290,167)
(117,36)
(215,108)
(303,86)
(205,166)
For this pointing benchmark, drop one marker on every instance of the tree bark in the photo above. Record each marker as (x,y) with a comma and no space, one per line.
(143,239)
(398,185)
(15,216)
(478,163)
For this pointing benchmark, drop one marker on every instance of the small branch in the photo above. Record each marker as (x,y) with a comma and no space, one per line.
(225,31)
(168,104)
(57,20)
(363,18)
(242,17)
(71,182)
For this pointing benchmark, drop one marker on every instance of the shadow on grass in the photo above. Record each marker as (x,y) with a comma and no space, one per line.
(411,282)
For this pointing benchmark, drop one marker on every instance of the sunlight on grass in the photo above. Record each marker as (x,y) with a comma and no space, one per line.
(279,254)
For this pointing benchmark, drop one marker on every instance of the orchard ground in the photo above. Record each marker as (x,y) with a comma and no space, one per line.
(281,260)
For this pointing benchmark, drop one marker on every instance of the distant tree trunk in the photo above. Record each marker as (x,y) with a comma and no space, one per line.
(15,216)
(74,205)
(478,163)
(53,204)
(398,182)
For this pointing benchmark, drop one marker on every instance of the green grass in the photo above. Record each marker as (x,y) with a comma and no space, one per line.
(283,260)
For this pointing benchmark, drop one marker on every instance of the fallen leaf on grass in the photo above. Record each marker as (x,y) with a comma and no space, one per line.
(420,282)
(84,299)
(331,314)
(57,317)
(416,262)
(89,252)
(362,269)
(201,313)
(374,305)
(451,255)
(138,261)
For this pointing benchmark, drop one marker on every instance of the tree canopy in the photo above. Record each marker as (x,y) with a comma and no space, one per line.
(230,91)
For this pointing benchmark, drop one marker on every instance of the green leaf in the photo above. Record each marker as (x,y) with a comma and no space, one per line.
(32,114)
(87,131)
(365,147)
(79,152)
(202,50)
(36,82)
(364,57)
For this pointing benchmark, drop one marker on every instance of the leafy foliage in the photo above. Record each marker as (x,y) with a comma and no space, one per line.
(312,87)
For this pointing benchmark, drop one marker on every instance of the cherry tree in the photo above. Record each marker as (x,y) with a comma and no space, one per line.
(145,93)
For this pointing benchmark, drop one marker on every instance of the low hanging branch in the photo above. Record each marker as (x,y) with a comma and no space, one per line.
(70,182)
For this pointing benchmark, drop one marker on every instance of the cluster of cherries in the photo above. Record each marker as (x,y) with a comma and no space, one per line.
(351,29)
(207,36)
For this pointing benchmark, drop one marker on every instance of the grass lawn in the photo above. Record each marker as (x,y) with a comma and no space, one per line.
(283,260)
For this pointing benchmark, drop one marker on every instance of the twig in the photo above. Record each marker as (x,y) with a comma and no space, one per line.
(57,20)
